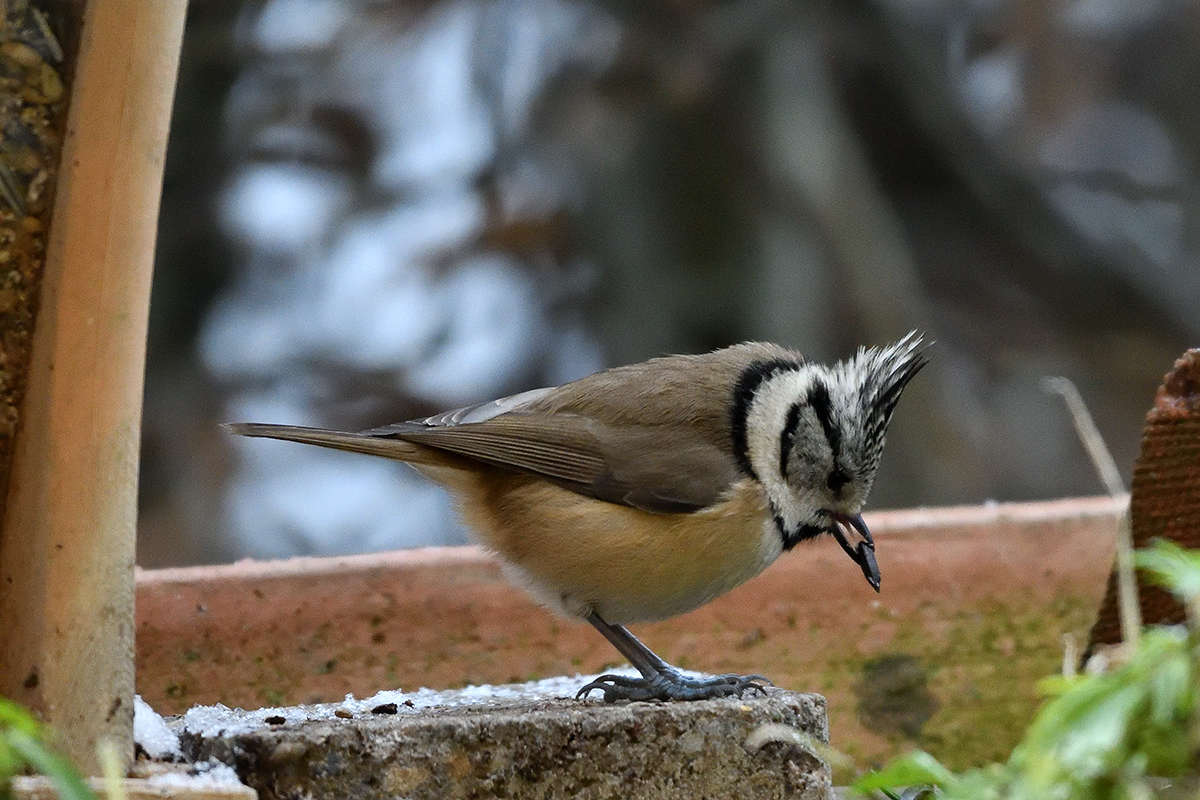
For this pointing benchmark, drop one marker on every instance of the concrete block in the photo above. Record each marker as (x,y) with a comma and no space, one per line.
(521,741)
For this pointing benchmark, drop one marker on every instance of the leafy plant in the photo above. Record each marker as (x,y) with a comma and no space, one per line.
(1132,732)
(22,745)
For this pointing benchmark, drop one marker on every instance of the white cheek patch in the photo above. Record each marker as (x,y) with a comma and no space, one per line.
(765,421)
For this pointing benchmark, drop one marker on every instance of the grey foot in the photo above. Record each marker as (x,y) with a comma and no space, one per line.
(673,685)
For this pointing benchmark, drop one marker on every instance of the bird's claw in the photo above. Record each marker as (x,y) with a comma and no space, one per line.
(673,686)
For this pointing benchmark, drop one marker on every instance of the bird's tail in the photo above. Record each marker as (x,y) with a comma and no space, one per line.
(370,444)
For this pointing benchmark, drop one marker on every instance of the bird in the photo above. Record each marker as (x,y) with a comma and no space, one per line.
(644,491)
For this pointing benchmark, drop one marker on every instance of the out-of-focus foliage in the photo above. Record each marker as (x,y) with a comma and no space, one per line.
(1131,732)
(22,746)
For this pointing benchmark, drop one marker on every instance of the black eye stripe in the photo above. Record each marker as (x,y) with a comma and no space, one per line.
(819,402)
(836,480)
(787,436)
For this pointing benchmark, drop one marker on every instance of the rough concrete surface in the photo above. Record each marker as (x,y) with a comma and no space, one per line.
(512,745)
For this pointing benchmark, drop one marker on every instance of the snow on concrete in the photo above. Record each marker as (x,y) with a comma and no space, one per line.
(220,720)
(202,775)
(150,731)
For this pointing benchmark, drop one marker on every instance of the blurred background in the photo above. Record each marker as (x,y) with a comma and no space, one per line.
(379,209)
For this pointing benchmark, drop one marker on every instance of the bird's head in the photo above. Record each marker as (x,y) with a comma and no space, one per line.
(815,435)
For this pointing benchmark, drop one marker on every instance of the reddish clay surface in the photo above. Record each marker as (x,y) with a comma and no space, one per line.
(257,633)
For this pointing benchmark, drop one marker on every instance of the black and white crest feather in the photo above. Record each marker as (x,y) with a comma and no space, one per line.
(884,374)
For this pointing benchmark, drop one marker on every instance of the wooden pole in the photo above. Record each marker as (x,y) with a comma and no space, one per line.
(68,536)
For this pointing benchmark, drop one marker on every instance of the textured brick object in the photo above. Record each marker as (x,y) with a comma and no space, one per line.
(526,746)
(1165,498)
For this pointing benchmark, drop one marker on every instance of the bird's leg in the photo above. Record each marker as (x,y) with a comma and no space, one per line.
(659,681)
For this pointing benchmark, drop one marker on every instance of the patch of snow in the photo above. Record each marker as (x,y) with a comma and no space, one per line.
(495,330)
(210,774)
(1117,138)
(291,499)
(288,26)
(1112,18)
(150,731)
(992,89)
(220,720)
(529,43)
(282,209)
(356,275)
(379,293)
(434,126)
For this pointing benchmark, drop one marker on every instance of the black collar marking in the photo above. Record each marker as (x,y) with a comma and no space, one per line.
(743,394)
(795,537)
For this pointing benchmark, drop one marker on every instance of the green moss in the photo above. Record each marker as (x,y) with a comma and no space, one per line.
(961,687)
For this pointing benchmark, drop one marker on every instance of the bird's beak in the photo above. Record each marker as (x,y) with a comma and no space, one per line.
(864,553)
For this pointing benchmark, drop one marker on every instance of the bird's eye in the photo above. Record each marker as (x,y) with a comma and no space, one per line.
(836,480)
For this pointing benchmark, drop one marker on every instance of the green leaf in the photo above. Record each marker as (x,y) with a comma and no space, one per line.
(988,783)
(1055,685)
(1169,565)
(15,717)
(914,769)
(1171,693)
(70,786)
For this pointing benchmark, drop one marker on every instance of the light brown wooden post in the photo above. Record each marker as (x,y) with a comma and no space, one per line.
(67,542)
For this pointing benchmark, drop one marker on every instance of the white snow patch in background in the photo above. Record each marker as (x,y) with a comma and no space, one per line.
(384,282)
(536,41)
(282,209)
(1115,137)
(992,89)
(1111,17)
(495,329)
(435,128)
(251,335)
(150,731)
(291,499)
(287,26)
(379,295)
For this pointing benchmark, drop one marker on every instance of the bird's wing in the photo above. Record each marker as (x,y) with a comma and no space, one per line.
(482,411)
(651,468)
(653,436)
